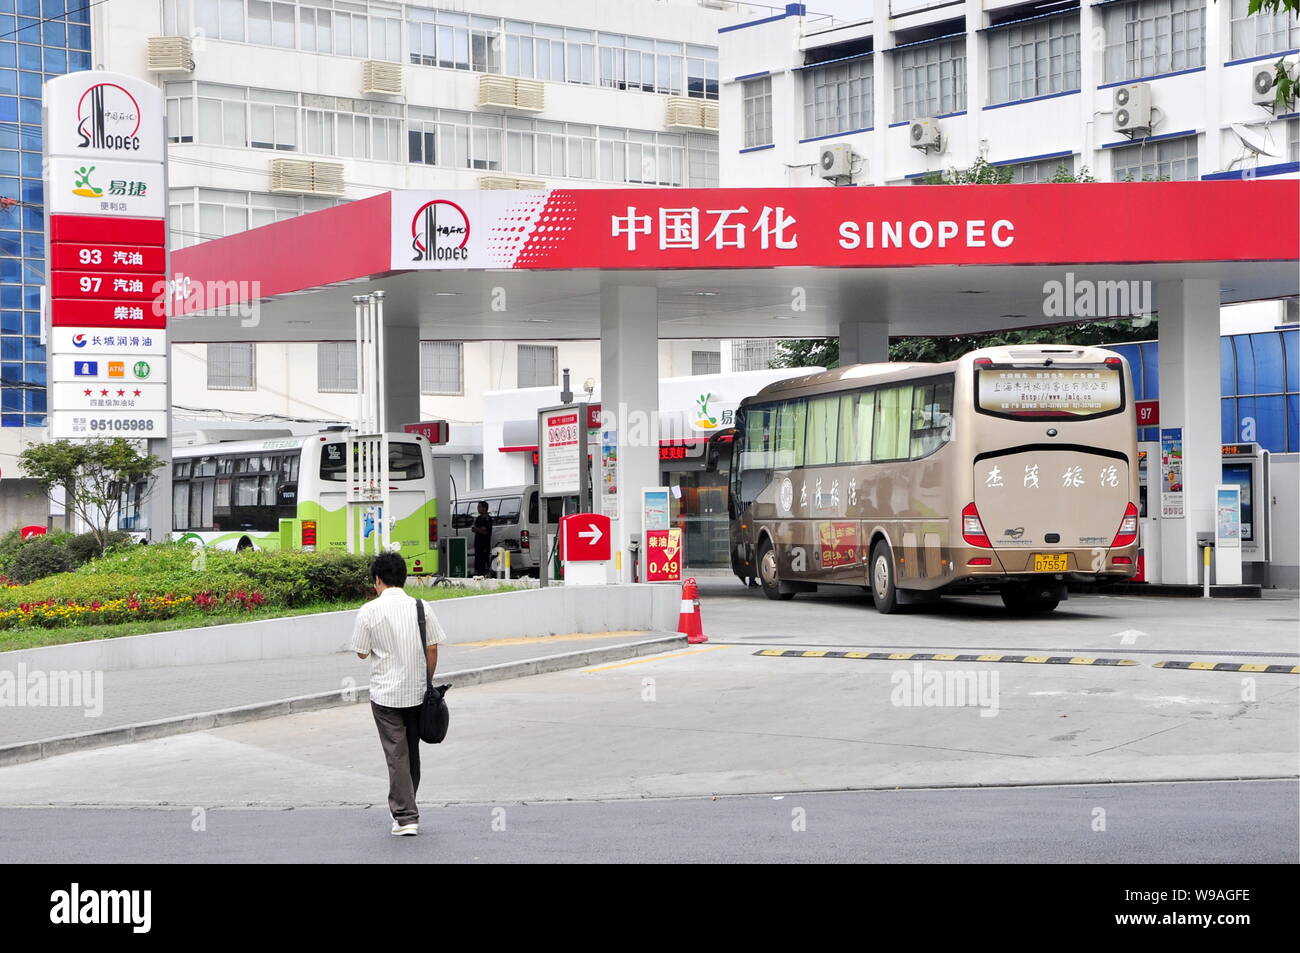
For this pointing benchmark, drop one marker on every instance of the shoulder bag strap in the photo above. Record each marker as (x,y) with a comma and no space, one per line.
(424,647)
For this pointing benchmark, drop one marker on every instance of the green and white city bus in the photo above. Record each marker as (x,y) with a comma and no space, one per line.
(293,493)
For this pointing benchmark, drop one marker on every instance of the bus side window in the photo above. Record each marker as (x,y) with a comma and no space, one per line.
(857,413)
(753,465)
(931,417)
(460,518)
(823,422)
(790,434)
(893,425)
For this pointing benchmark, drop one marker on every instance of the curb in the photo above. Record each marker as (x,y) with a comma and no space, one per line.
(183,724)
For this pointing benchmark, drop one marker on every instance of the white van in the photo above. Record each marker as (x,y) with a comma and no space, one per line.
(516,522)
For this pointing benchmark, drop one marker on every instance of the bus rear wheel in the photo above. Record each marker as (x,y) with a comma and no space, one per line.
(767,572)
(883,591)
(1030,599)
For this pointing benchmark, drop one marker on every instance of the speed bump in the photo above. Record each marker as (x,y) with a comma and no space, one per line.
(933,657)
(1232,667)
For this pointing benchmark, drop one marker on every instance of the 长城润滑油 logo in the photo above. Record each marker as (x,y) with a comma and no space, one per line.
(108,117)
(440,232)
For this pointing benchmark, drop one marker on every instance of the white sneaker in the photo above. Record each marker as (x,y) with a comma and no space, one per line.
(405,830)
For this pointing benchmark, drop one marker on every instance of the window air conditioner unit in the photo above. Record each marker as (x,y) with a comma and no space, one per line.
(492,182)
(924,134)
(170,54)
(709,115)
(378,76)
(1263,83)
(684,113)
(836,161)
(505,92)
(303,177)
(1132,115)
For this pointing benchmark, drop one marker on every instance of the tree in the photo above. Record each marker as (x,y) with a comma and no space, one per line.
(812,352)
(91,475)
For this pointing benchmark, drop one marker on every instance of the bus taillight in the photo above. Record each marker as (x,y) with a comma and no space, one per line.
(524,539)
(972,530)
(1128,528)
(309,535)
(433,532)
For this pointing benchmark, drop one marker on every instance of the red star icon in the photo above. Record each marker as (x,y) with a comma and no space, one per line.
(121,393)
(86,392)
(136,393)
(103,393)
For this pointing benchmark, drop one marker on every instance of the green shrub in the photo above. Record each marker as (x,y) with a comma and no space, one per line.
(85,547)
(40,556)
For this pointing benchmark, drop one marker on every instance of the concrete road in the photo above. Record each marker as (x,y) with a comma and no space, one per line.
(1194,823)
(720,719)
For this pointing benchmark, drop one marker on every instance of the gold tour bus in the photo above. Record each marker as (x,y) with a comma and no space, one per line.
(1011,468)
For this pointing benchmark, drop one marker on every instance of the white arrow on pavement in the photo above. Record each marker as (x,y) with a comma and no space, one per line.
(594,535)
(1129,636)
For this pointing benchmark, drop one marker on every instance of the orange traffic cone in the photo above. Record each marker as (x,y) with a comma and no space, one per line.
(688,622)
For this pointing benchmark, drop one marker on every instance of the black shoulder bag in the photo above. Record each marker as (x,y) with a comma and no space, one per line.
(433,712)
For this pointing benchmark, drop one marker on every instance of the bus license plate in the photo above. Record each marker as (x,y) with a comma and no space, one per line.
(1051,562)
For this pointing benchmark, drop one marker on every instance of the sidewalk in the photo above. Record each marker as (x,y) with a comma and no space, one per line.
(147,695)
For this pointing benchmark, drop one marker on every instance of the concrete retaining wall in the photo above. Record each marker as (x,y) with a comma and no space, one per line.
(556,610)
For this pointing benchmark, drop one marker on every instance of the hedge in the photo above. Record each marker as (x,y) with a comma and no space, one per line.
(165,580)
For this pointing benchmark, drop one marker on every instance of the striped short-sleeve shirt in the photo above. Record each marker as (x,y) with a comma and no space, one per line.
(388,629)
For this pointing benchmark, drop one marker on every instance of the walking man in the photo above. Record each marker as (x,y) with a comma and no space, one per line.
(388,633)
(482,540)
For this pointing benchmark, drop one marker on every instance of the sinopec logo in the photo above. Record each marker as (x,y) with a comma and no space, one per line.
(440,232)
(108,117)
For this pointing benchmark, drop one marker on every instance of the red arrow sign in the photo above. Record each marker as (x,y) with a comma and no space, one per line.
(584,537)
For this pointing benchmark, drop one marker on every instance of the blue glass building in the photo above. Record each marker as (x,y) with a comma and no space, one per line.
(1260,381)
(39,39)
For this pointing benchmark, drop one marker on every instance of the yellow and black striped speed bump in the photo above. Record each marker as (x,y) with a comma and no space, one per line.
(1232,667)
(933,657)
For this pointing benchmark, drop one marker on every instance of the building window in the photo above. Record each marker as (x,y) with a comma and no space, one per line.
(838,99)
(706,362)
(752,355)
(354,128)
(232,116)
(1041,170)
(232,366)
(1293,140)
(203,214)
(1034,59)
(757,97)
(1262,33)
(442,367)
(537,364)
(641,158)
(930,80)
(1149,37)
(313,27)
(1172,159)
(336,367)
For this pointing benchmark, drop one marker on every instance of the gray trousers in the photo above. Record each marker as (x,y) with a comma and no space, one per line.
(399,735)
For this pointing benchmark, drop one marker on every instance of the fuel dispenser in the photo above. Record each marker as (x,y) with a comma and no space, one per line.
(1244,465)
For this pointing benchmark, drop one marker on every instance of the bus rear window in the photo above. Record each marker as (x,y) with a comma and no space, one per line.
(1060,393)
(405,462)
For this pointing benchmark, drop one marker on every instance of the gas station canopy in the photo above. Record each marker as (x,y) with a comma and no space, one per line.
(925,260)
